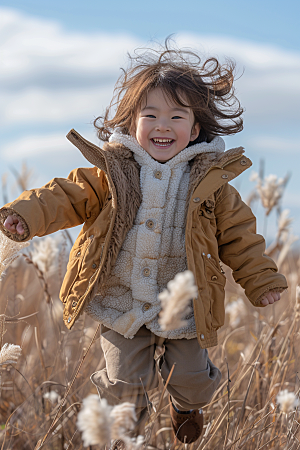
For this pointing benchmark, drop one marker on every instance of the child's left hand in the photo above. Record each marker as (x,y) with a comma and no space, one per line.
(270,298)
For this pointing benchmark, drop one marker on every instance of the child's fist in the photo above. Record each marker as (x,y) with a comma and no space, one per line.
(270,298)
(13,224)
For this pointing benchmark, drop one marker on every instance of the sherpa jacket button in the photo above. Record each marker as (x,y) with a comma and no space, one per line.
(196,200)
(158,174)
(150,224)
(214,278)
(146,272)
(202,337)
(225,175)
(146,306)
(69,319)
(243,162)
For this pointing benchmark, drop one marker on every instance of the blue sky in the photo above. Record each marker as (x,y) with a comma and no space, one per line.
(259,20)
(62,58)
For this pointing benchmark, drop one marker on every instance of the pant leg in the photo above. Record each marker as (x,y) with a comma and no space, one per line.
(130,365)
(194,379)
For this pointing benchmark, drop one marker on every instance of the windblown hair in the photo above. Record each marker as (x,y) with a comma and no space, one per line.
(207,88)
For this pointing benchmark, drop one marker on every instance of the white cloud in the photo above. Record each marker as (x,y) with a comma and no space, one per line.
(257,56)
(37,105)
(36,47)
(275,144)
(50,74)
(31,145)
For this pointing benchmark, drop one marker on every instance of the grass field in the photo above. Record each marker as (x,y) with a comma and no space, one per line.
(255,406)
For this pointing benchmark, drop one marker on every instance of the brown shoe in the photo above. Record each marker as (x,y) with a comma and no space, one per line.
(187,427)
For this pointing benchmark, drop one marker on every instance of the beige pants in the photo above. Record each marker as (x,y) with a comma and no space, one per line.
(131,370)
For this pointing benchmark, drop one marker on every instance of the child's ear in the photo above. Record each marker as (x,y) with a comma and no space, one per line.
(195,131)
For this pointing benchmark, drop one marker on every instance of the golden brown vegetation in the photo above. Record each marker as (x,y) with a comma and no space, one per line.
(42,393)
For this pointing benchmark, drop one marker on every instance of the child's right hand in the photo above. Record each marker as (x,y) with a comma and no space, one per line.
(14,225)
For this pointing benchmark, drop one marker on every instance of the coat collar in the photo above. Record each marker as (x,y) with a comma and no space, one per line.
(201,164)
(217,145)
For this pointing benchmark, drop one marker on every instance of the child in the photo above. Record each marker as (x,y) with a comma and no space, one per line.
(156,202)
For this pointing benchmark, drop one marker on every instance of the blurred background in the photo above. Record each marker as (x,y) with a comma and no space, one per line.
(61,59)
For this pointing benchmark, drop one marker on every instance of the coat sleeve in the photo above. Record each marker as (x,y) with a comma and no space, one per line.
(61,203)
(242,249)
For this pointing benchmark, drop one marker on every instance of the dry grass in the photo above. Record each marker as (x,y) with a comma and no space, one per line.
(42,393)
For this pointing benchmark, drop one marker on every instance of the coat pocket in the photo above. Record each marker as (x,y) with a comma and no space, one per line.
(207,218)
(216,290)
(73,269)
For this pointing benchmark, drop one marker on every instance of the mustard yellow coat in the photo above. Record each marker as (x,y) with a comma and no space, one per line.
(106,198)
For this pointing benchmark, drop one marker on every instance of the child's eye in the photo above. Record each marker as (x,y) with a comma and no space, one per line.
(151,116)
(176,117)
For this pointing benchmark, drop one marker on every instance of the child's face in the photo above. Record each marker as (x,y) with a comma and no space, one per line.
(164,128)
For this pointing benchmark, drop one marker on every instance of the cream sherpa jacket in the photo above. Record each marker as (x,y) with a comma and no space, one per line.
(154,249)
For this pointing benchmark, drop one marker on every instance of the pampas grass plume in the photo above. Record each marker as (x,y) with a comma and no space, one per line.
(270,190)
(94,421)
(9,354)
(176,299)
(100,422)
(124,419)
(287,401)
(236,310)
(9,251)
(45,253)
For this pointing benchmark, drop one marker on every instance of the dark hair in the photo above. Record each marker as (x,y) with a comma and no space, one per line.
(207,88)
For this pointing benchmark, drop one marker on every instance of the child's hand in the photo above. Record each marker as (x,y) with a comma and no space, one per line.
(13,224)
(270,298)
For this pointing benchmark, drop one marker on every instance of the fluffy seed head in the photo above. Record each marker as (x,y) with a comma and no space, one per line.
(175,301)
(270,190)
(236,310)
(94,421)
(9,251)
(287,401)
(45,253)
(9,354)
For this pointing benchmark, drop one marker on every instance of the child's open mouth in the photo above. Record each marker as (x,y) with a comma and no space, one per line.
(162,142)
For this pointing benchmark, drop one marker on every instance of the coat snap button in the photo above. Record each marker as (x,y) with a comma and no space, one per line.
(202,337)
(158,174)
(225,175)
(78,253)
(146,272)
(214,278)
(243,162)
(109,196)
(94,266)
(69,319)
(146,306)
(74,304)
(91,236)
(196,200)
(150,224)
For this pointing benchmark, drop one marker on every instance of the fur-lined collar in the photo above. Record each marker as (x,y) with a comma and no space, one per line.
(217,145)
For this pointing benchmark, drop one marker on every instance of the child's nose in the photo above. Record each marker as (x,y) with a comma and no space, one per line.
(163,125)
